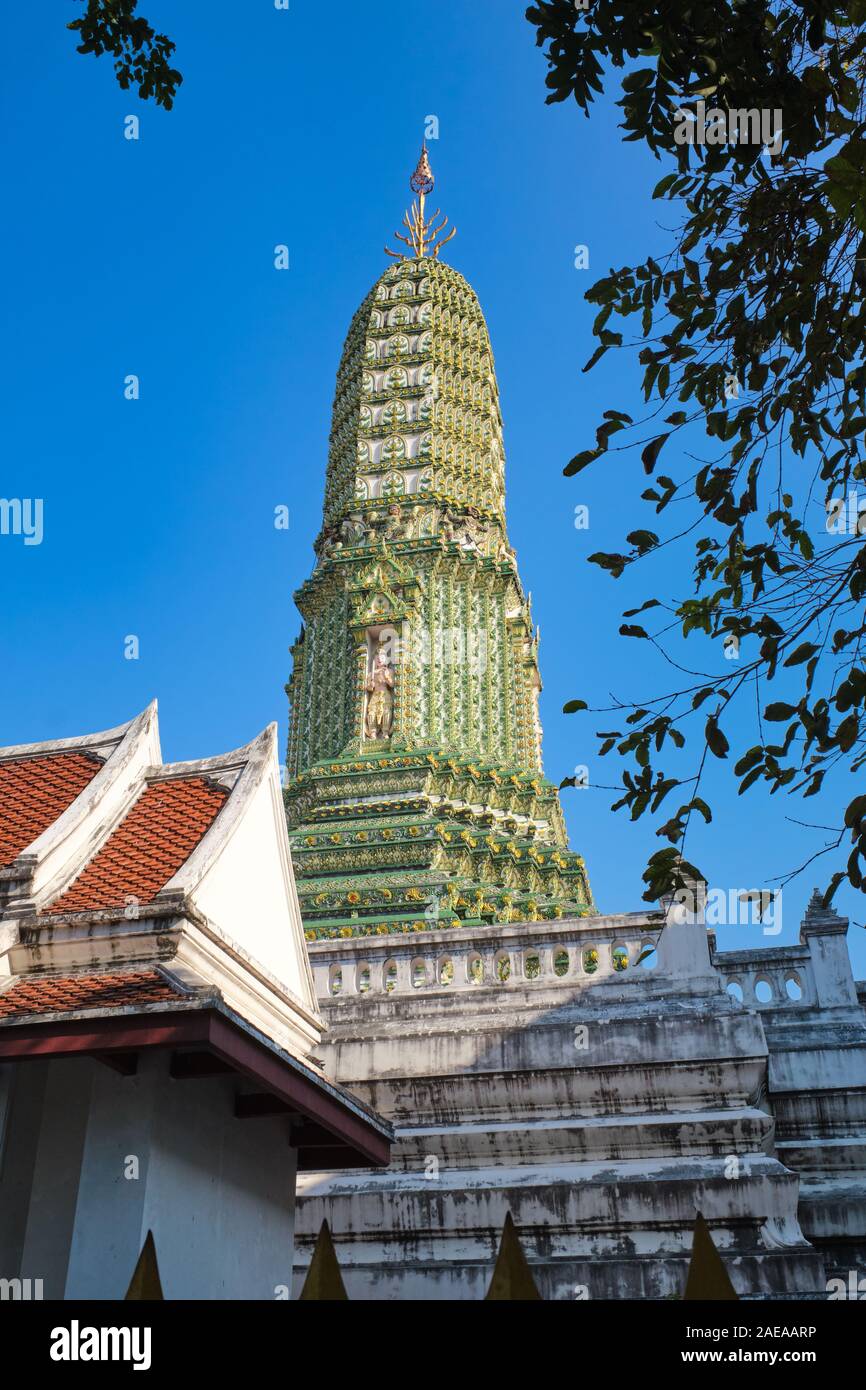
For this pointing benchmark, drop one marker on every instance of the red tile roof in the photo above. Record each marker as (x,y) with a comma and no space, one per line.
(47,994)
(153,841)
(34,792)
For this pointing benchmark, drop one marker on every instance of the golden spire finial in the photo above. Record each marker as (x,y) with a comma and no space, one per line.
(422,181)
(425,237)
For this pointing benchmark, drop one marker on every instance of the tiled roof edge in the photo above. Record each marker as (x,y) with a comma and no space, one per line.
(84,743)
(46,856)
(236,760)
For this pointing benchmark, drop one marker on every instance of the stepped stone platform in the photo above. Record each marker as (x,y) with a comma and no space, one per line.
(603,1093)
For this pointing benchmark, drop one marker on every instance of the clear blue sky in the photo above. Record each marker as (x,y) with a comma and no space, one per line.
(155,257)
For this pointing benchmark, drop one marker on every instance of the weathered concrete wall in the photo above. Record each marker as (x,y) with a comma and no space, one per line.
(602,1108)
(816,1082)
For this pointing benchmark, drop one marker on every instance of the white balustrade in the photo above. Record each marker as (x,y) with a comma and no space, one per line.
(541,955)
(775,978)
(526,956)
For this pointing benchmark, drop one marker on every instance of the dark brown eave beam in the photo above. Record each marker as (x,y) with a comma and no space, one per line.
(194,1066)
(330,1159)
(260,1106)
(316,1148)
(206,1030)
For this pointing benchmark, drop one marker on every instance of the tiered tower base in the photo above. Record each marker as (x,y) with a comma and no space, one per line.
(386,843)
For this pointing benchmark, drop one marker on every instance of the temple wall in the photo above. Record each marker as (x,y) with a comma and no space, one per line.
(93,1160)
(539,1069)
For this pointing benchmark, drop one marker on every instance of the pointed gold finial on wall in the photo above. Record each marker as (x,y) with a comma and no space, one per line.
(425,234)
(708,1279)
(512,1280)
(145,1284)
(324,1282)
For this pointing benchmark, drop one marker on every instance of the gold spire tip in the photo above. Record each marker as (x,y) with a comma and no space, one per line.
(425,234)
(422,181)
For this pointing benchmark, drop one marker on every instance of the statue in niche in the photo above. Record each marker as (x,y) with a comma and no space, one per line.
(330,541)
(449,530)
(353,529)
(380,695)
(467,531)
(395,527)
(475,532)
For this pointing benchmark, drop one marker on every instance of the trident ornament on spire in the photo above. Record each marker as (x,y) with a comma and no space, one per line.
(425,236)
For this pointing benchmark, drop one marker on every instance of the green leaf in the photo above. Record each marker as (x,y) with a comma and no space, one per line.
(643,541)
(664,184)
(846,734)
(749,760)
(634,81)
(748,780)
(652,451)
(633,612)
(581,461)
(716,741)
(778,711)
(802,653)
(596,356)
(614,563)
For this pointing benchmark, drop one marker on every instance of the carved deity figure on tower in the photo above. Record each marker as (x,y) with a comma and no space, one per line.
(380,695)
(394,527)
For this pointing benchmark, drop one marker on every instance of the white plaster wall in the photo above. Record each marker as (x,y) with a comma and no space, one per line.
(108,1232)
(831,966)
(217,1192)
(234,1237)
(249,894)
(56,1167)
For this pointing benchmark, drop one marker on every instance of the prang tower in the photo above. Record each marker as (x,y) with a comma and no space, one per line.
(416,797)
